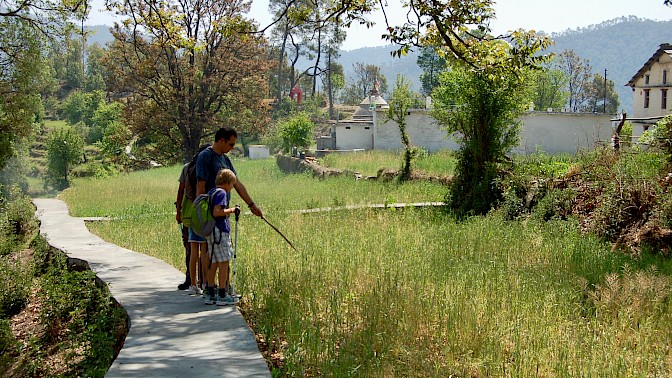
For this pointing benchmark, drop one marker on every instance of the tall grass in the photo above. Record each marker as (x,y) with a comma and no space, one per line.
(415,292)
(369,162)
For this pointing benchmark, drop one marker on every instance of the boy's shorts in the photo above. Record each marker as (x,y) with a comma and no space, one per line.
(219,246)
(194,238)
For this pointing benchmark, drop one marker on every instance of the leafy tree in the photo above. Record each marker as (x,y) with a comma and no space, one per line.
(104,116)
(21,71)
(401,100)
(595,95)
(579,75)
(362,82)
(480,111)
(187,69)
(64,149)
(296,131)
(432,65)
(550,86)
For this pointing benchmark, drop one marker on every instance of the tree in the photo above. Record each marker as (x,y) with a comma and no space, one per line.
(24,25)
(432,65)
(296,131)
(550,86)
(401,100)
(362,82)
(187,69)
(579,75)
(480,111)
(595,95)
(64,149)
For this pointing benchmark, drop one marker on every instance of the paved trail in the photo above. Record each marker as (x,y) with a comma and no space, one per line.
(172,334)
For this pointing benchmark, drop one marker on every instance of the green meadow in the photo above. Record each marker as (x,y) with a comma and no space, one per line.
(411,292)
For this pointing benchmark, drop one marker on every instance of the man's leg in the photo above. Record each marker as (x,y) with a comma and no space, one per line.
(187,255)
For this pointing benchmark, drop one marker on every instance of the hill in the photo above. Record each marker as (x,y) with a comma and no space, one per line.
(621,46)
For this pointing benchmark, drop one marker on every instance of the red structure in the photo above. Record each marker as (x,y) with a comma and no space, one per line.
(296,94)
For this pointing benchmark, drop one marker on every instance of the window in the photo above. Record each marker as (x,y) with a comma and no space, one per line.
(664,76)
(646,79)
(646,98)
(663,99)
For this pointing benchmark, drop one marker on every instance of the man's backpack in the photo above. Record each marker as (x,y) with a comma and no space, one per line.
(202,220)
(190,184)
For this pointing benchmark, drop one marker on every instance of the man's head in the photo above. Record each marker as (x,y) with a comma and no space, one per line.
(225,139)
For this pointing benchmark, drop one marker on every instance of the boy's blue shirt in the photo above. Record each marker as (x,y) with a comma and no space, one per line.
(221,197)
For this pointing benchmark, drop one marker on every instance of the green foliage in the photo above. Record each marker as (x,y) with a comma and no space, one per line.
(65,148)
(23,76)
(480,110)
(17,220)
(400,102)
(550,88)
(82,106)
(296,131)
(432,65)
(15,282)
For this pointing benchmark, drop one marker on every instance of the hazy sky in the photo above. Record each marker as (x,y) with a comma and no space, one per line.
(541,15)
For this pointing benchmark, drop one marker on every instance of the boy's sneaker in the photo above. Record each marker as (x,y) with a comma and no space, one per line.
(210,300)
(195,290)
(227,300)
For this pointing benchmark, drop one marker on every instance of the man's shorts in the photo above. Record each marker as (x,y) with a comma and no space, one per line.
(194,238)
(219,246)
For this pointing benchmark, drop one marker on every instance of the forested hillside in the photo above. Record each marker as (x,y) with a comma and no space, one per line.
(621,45)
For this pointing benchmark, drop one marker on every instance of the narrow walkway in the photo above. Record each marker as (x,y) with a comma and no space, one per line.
(171,334)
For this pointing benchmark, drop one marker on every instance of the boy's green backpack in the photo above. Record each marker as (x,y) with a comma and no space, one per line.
(202,220)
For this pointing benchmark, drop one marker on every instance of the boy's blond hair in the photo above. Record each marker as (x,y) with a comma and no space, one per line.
(225,176)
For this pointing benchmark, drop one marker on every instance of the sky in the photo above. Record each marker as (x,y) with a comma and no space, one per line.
(549,16)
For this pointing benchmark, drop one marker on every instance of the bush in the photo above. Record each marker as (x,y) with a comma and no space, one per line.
(15,284)
(17,220)
(65,149)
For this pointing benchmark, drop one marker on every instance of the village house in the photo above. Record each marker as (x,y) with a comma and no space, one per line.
(650,87)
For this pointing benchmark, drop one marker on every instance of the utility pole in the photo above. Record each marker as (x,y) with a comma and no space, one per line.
(604,104)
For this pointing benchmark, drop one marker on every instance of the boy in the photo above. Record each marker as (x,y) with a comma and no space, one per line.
(219,241)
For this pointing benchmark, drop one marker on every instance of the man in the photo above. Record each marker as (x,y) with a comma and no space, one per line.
(185,230)
(209,163)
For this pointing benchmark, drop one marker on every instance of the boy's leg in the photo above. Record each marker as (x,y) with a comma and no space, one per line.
(223,275)
(210,296)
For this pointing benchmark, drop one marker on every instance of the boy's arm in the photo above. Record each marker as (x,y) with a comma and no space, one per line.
(220,211)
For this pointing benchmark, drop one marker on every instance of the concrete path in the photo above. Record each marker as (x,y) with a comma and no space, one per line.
(172,334)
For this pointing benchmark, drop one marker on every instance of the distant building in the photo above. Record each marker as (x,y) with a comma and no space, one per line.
(651,87)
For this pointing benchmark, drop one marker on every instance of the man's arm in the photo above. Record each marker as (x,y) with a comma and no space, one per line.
(178,203)
(242,192)
(200,187)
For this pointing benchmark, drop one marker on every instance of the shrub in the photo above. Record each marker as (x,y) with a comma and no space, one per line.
(14,287)
(65,149)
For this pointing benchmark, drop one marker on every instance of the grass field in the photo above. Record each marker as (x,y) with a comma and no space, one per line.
(412,292)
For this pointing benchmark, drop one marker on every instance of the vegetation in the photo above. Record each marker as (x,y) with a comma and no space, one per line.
(418,292)
(192,71)
(482,109)
(400,102)
(64,151)
(53,321)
